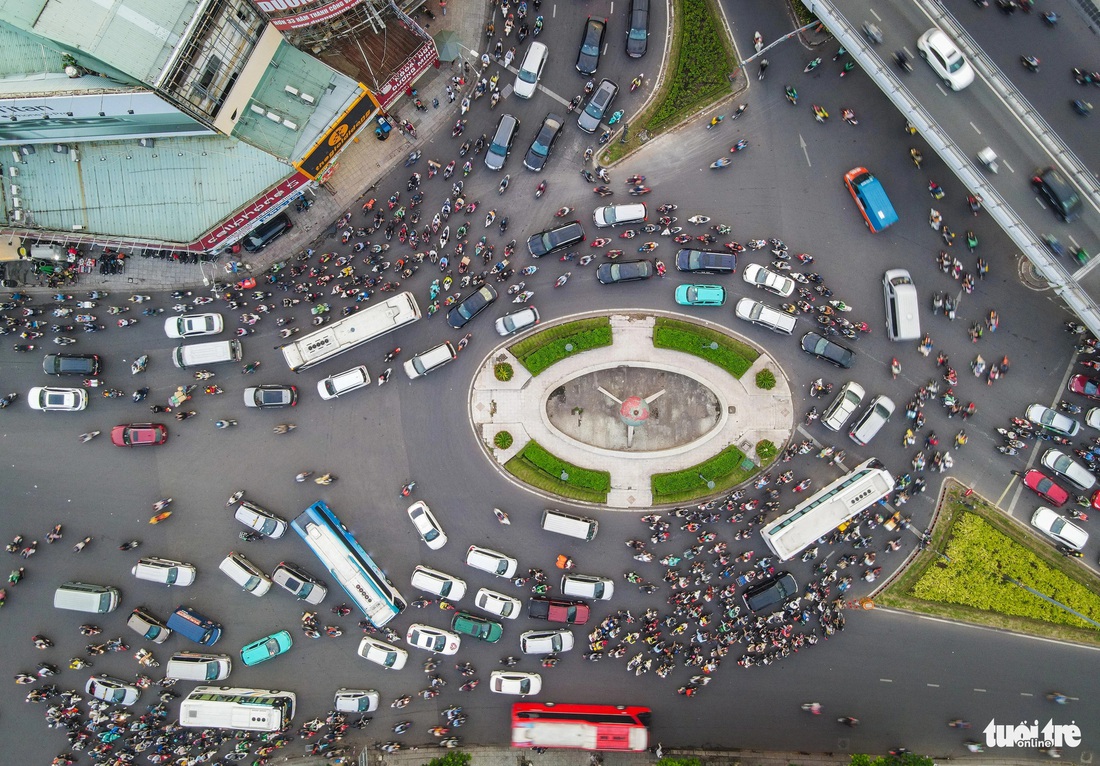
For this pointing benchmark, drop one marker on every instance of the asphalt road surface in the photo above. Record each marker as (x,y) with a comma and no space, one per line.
(903,677)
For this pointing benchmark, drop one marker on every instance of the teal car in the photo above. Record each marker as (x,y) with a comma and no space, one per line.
(265,648)
(478,627)
(700,295)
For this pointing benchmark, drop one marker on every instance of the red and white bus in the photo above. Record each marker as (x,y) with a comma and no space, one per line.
(582,727)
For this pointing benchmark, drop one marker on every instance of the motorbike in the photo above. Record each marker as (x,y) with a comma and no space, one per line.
(812,65)
(901,58)
(698,220)
(791,94)
(562,279)
(540,189)
(820,114)
(721,162)
(638,191)
(715,121)
(740,110)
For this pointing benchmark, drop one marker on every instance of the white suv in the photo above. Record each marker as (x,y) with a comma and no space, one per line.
(438,583)
(381,653)
(341,383)
(498,604)
(263,521)
(546,641)
(246,574)
(491,561)
(164,571)
(527,78)
(1069,469)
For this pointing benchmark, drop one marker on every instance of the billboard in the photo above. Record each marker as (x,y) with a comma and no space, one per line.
(272,201)
(298,14)
(92,117)
(325,150)
(413,67)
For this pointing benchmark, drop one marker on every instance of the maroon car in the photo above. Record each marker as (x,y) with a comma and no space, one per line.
(1080,384)
(1042,485)
(555,610)
(139,435)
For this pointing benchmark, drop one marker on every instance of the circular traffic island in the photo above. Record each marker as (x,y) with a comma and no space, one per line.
(631,410)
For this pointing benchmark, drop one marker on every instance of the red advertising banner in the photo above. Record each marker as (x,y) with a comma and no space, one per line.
(283,16)
(414,65)
(233,228)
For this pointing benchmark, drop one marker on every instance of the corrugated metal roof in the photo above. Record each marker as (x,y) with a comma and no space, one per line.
(21,54)
(133,36)
(173,192)
(21,13)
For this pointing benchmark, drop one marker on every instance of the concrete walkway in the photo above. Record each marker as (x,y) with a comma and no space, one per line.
(748,414)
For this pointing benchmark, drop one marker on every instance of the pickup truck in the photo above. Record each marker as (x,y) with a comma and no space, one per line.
(554,610)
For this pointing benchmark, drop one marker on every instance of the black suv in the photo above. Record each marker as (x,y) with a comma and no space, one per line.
(637,34)
(266,233)
(71,364)
(588,58)
(1058,192)
(771,592)
(473,305)
(545,242)
(705,262)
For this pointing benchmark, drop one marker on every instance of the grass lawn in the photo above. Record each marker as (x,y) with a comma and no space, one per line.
(731,355)
(542,349)
(726,470)
(537,467)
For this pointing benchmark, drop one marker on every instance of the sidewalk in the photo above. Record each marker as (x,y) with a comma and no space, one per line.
(747,413)
(362,164)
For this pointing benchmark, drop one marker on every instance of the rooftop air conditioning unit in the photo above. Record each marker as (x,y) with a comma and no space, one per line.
(16,202)
(148,143)
(74,155)
(16,190)
(289,124)
(78,227)
(27,149)
(13,171)
(16,156)
(308,99)
(257,108)
(17,215)
(291,90)
(60,149)
(274,117)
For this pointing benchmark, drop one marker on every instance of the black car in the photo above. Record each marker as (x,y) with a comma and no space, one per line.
(473,305)
(823,348)
(71,364)
(1058,192)
(624,271)
(771,592)
(555,239)
(705,262)
(637,34)
(591,44)
(543,144)
(266,233)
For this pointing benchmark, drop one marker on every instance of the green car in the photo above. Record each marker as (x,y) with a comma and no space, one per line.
(700,295)
(478,627)
(265,648)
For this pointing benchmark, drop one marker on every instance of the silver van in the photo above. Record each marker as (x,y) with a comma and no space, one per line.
(164,571)
(193,666)
(246,574)
(430,360)
(202,354)
(147,626)
(619,215)
(902,317)
(764,315)
(587,586)
(497,152)
(85,597)
(872,421)
(567,524)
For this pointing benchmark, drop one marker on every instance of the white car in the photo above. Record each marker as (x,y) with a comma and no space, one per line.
(381,653)
(111,690)
(840,409)
(342,382)
(434,640)
(297,582)
(517,321)
(498,604)
(515,682)
(530,70)
(764,315)
(1092,418)
(263,521)
(945,58)
(193,325)
(491,561)
(546,641)
(1059,529)
(1069,469)
(164,571)
(54,399)
(427,526)
(1052,420)
(757,275)
(438,583)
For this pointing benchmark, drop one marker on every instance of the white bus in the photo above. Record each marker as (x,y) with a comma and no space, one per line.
(826,510)
(347,333)
(216,707)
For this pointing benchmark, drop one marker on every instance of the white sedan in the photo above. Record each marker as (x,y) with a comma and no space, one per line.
(945,58)
(515,682)
(435,640)
(112,690)
(54,399)
(757,275)
(381,653)
(193,325)
(498,604)
(427,526)
(1059,529)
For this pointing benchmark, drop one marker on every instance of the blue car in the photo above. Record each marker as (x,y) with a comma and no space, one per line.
(700,295)
(265,648)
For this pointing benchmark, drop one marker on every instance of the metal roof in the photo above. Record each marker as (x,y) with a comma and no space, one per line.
(173,191)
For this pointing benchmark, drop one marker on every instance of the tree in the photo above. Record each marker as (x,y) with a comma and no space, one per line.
(679,762)
(908,759)
(452,758)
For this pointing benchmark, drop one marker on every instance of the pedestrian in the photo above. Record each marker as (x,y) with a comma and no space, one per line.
(450,95)
(511,54)
(443,6)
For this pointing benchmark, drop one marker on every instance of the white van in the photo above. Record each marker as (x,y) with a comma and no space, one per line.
(193,666)
(619,215)
(527,77)
(355,701)
(84,597)
(568,524)
(587,586)
(202,354)
(872,421)
(246,574)
(342,382)
(430,360)
(902,317)
(164,571)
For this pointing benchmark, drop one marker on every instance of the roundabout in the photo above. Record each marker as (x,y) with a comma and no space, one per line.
(634,412)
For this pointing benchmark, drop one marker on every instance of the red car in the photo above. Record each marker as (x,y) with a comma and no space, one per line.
(139,435)
(1044,487)
(1079,384)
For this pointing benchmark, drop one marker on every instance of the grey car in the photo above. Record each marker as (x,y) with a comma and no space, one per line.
(598,104)
(637,33)
(543,144)
(624,271)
